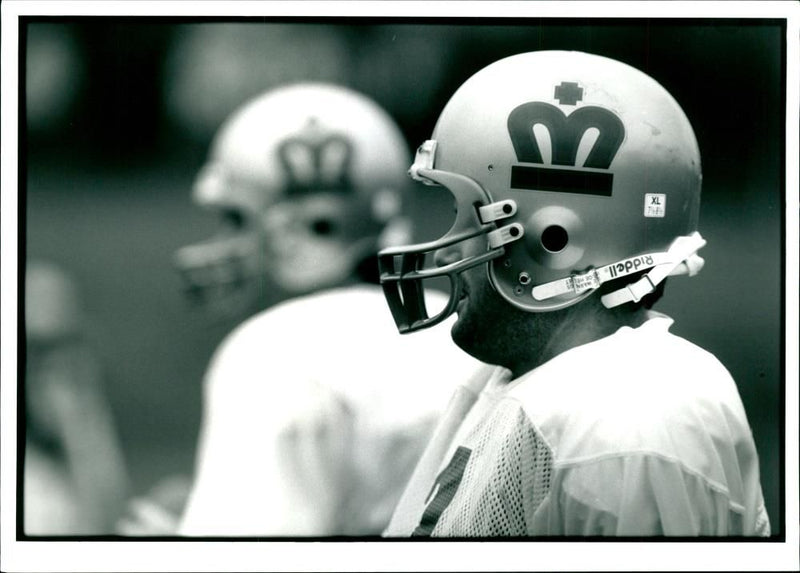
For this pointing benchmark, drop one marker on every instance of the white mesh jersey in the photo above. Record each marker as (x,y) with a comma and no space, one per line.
(640,433)
(315,414)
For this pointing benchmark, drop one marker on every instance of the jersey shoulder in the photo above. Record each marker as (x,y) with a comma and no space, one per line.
(641,389)
(345,340)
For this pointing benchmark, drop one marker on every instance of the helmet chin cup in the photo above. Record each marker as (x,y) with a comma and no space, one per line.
(403,270)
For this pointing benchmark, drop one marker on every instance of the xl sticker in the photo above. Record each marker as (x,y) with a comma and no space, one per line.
(655,204)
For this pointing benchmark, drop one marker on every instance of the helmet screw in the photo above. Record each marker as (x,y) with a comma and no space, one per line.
(519,291)
(524,278)
(490,167)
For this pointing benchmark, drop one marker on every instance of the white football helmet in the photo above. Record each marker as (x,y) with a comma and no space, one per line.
(577,169)
(308,180)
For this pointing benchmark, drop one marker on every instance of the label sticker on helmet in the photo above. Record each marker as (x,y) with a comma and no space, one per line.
(655,204)
(580,283)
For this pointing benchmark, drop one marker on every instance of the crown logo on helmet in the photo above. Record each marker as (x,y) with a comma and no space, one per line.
(566,132)
(315,160)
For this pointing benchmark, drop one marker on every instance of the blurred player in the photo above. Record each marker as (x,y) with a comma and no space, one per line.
(75,480)
(577,182)
(300,437)
(306,192)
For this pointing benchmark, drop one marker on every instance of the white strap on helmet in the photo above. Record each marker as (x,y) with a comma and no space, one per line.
(684,260)
(681,258)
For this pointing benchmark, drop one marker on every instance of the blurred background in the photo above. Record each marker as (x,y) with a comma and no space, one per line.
(120,114)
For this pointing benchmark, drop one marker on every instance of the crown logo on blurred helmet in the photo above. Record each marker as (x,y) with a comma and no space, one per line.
(316,160)
(566,133)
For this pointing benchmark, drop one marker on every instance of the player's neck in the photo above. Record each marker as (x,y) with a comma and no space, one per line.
(578,325)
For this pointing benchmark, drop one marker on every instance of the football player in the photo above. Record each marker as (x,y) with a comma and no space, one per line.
(300,436)
(577,181)
(75,476)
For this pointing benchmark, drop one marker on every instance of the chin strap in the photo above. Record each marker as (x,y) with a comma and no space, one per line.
(680,259)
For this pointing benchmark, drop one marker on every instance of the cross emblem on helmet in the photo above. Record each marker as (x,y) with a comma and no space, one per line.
(568,93)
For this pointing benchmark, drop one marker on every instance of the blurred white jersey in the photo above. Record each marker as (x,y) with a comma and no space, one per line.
(316,412)
(637,434)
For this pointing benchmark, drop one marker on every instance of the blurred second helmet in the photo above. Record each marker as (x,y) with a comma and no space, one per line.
(308,181)
(576,168)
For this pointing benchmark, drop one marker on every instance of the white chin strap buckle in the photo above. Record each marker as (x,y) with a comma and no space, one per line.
(680,259)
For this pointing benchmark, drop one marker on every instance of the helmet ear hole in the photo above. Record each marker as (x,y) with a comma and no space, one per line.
(233,218)
(555,238)
(323,227)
